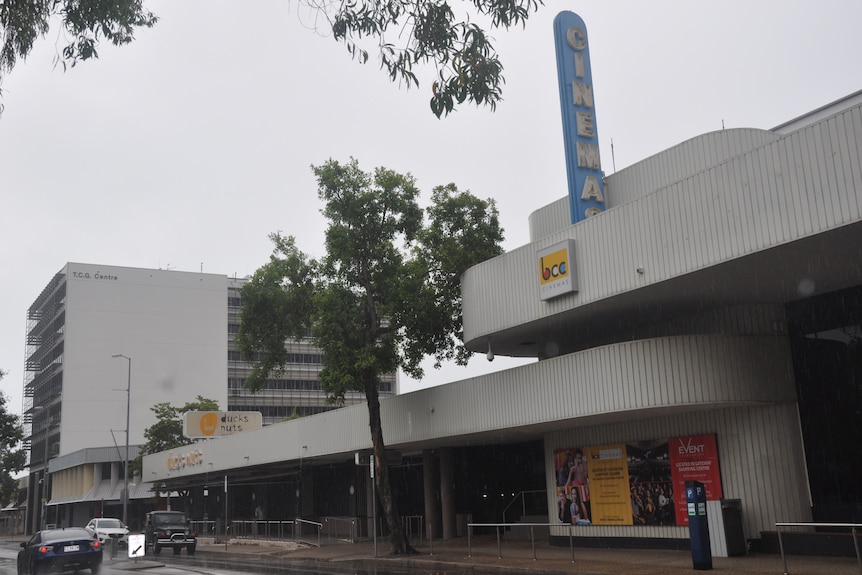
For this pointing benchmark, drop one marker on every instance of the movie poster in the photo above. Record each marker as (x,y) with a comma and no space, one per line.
(639,483)
(573,492)
(608,480)
(651,483)
(694,458)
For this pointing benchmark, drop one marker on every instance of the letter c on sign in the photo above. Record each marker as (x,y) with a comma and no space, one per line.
(577,38)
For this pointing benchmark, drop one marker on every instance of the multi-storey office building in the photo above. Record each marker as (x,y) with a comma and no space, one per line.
(295,392)
(99,336)
(104,341)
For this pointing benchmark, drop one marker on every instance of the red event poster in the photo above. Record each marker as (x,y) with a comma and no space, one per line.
(693,458)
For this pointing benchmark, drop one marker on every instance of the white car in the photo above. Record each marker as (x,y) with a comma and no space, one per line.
(108,528)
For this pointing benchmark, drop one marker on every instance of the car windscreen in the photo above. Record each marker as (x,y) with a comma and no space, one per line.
(65,534)
(109,524)
(169,520)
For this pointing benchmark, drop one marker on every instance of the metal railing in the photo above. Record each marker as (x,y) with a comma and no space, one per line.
(340,528)
(301,525)
(413,526)
(10,525)
(852,526)
(522,497)
(263,529)
(281,530)
(300,530)
(497,526)
(206,528)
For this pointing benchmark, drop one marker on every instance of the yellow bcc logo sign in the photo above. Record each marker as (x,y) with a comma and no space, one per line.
(558,272)
(553,266)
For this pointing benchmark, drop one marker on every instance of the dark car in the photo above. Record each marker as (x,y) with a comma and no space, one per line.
(58,550)
(169,529)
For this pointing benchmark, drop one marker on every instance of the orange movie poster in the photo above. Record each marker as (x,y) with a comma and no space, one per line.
(609,484)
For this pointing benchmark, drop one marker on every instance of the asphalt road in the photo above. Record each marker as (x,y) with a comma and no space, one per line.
(121,566)
(210,564)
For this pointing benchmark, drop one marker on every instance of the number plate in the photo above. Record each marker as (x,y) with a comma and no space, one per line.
(70,548)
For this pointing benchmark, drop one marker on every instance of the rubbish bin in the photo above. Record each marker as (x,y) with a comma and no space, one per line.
(734,533)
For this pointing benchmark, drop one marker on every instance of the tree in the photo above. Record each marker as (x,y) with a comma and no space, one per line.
(385,295)
(427,31)
(86,23)
(167,432)
(468,68)
(13,458)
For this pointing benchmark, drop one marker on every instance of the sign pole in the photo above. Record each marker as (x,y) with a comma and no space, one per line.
(226,526)
(373,502)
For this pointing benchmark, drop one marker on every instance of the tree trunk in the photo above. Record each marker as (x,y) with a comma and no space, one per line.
(400,545)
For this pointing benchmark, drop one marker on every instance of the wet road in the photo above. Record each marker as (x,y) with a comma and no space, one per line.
(203,564)
(120,566)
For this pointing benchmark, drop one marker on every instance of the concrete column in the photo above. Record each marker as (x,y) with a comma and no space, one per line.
(447,493)
(306,496)
(33,504)
(431,486)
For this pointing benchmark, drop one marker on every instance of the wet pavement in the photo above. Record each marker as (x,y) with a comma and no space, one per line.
(515,557)
(484,556)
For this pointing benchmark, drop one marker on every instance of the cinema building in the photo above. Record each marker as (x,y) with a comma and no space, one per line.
(704,326)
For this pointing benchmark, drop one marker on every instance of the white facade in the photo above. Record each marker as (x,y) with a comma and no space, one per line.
(695,313)
(105,344)
(173,326)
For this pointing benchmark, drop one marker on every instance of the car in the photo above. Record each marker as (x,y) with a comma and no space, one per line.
(59,550)
(109,528)
(169,529)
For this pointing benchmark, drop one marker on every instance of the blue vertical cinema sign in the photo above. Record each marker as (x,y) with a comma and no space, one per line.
(580,136)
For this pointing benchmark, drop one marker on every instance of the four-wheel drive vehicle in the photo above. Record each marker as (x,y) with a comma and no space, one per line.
(169,529)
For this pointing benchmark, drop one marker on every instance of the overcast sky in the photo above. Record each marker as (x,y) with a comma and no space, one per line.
(185,149)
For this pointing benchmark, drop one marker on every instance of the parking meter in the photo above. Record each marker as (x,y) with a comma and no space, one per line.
(698,527)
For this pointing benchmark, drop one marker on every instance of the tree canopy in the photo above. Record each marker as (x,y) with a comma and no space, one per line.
(385,295)
(167,432)
(468,68)
(85,22)
(404,34)
(13,458)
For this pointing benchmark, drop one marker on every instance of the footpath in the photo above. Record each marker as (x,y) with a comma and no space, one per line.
(522,558)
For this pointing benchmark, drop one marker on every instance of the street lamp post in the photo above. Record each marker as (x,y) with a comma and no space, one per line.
(44,521)
(126,462)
